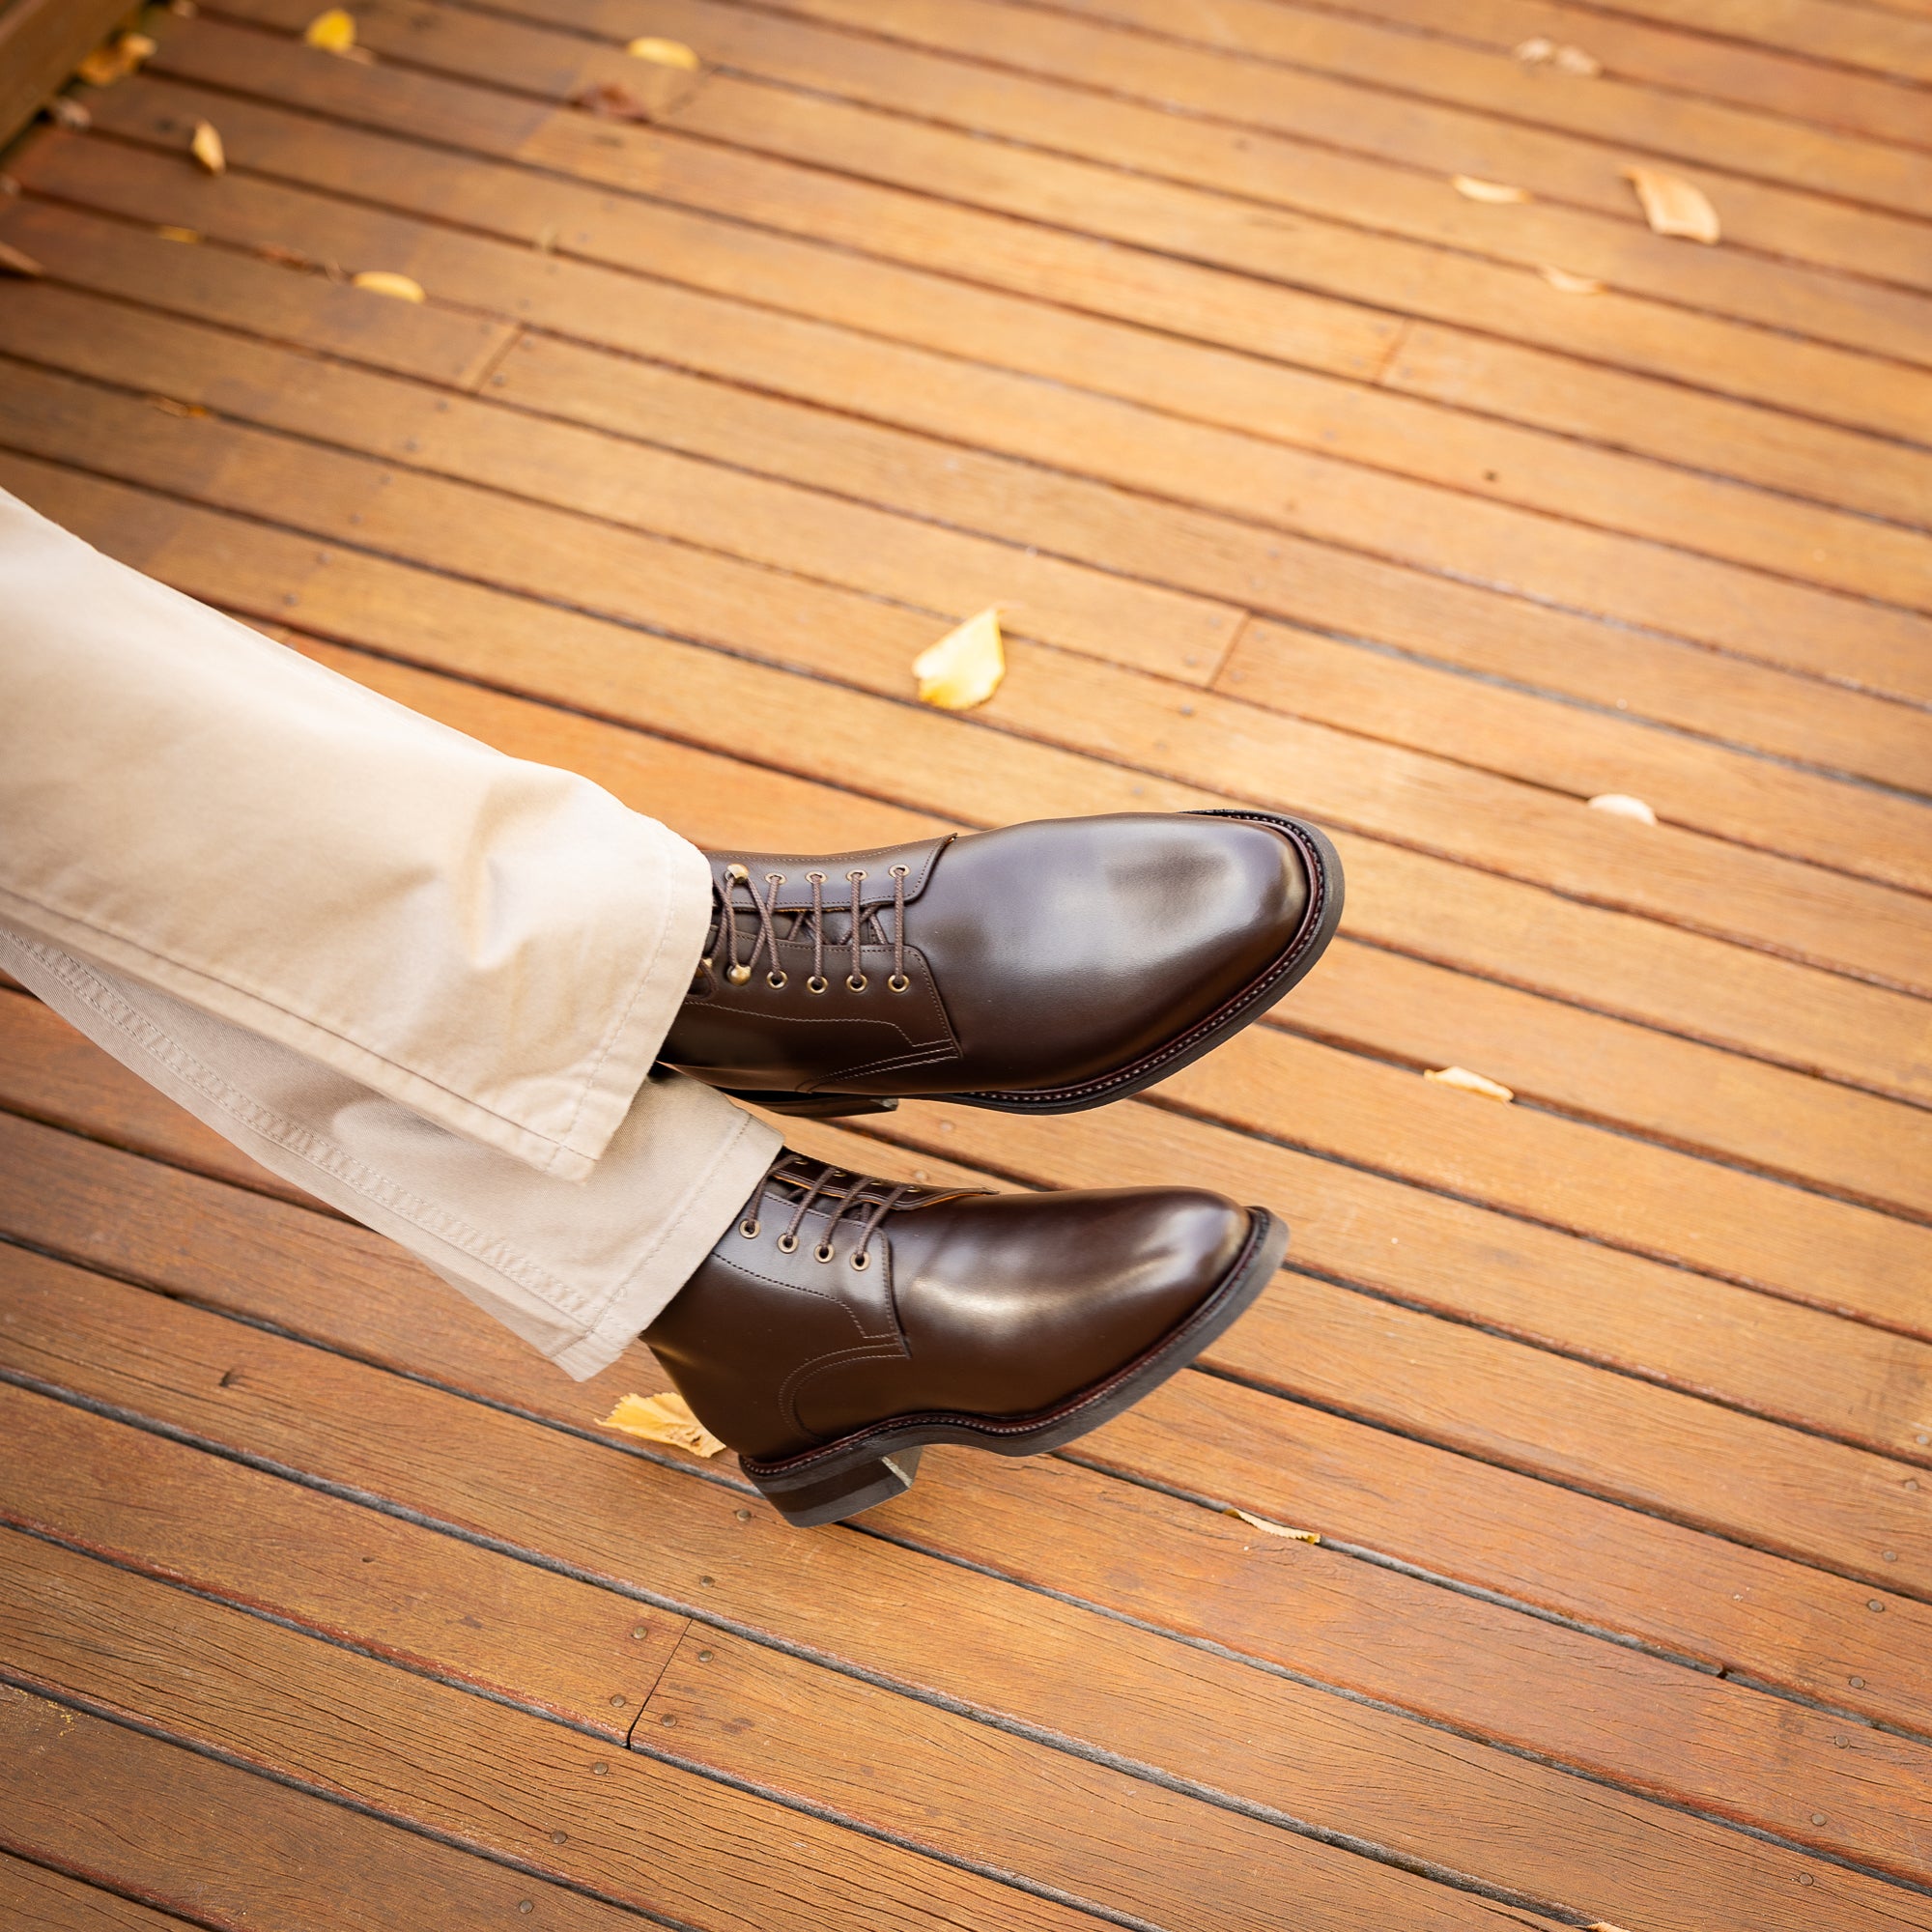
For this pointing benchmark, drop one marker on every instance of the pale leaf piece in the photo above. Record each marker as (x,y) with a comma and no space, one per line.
(207,148)
(663,1418)
(1621,804)
(1673,207)
(1571,285)
(1497,192)
(1465,1082)
(12,262)
(1280,1529)
(69,113)
(1534,52)
(333,32)
(964,669)
(169,233)
(1544,52)
(665,53)
(383,282)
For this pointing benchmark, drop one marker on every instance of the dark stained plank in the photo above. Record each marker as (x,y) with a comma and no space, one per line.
(34,1900)
(42,41)
(1220,1724)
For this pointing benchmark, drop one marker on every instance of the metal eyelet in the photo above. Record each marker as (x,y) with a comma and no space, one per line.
(737,873)
(737,975)
(816,984)
(899,982)
(788,1244)
(749,1229)
(901,872)
(823,1252)
(855,875)
(859,985)
(862,1261)
(777,980)
(815,878)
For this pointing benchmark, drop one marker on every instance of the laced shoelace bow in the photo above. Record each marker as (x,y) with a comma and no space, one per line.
(767,912)
(821,1186)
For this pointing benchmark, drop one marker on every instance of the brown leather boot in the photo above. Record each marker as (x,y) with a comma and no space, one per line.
(843,1322)
(1043,968)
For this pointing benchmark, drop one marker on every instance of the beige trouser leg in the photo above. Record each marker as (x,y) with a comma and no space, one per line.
(421,980)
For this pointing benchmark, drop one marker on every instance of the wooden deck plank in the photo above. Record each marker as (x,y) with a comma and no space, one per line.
(1588,570)
(1619,108)
(34,1900)
(1354,227)
(1290,1750)
(443,1608)
(1616,962)
(1682,64)
(1862,926)
(116,1807)
(975,1794)
(1328,147)
(643,1834)
(1211,555)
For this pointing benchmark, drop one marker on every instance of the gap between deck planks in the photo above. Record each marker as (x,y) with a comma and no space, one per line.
(1032,1677)
(1228,1441)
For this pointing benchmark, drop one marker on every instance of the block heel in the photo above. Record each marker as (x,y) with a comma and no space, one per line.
(813,1496)
(815,1106)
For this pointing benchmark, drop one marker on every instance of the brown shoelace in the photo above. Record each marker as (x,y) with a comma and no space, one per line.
(818,1185)
(768,913)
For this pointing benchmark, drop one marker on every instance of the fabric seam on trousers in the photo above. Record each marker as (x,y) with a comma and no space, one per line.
(558,1145)
(301,1142)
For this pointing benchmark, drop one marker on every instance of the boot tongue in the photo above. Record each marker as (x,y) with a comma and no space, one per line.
(797,1174)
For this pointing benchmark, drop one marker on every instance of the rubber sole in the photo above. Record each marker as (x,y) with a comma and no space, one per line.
(872,1465)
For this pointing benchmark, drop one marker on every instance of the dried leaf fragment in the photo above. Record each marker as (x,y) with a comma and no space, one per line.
(665,53)
(964,669)
(1672,206)
(611,100)
(169,407)
(1465,1082)
(12,262)
(1544,52)
(1497,192)
(69,113)
(662,1418)
(1621,804)
(383,282)
(114,58)
(169,233)
(1571,285)
(207,148)
(333,32)
(1280,1529)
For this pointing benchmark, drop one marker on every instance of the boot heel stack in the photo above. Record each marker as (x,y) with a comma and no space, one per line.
(821,1495)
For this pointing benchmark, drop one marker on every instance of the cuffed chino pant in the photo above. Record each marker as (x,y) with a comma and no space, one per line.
(421,979)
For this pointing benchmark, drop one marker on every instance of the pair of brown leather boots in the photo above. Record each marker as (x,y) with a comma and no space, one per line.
(843,1322)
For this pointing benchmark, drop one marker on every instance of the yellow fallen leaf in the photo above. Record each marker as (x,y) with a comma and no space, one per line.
(1673,207)
(964,669)
(1491,191)
(381,282)
(665,53)
(13,263)
(1621,804)
(207,148)
(1465,1082)
(1262,1523)
(1568,284)
(109,62)
(333,32)
(172,234)
(168,406)
(662,1418)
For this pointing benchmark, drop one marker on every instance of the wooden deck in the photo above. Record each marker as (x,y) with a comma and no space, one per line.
(1162,324)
